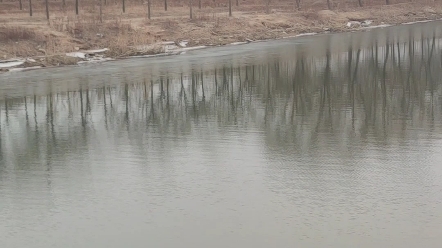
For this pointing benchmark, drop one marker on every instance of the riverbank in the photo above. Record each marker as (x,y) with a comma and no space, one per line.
(27,42)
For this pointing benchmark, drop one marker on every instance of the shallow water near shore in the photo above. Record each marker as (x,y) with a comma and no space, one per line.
(332,140)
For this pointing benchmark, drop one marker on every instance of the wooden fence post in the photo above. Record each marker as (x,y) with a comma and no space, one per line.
(47,9)
(30,7)
(148,9)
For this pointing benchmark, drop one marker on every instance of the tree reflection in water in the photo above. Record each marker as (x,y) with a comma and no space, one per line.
(371,94)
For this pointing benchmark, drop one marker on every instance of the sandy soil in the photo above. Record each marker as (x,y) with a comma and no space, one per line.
(47,42)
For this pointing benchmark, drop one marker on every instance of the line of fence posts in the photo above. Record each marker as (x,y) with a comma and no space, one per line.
(267,6)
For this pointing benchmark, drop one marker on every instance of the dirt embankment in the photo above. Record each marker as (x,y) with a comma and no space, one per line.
(46,43)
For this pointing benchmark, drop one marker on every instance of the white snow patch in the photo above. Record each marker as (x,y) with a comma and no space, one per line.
(183,43)
(378,26)
(76,55)
(305,34)
(96,51)
(24,69)
(11,64)
(238,43)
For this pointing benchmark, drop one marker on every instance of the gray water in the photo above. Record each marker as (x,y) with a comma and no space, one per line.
(325,141)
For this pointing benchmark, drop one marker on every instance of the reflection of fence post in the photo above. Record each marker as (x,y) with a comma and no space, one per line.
(76,7)
(355,75)
(81,107)
(384,79)
(167,95)
(124,6)
(151,99)
(26,111)
(216,83)
(165,5)
(202,85)
(230,7)
(35,110)
(349,59)
(21,5)
(126,94)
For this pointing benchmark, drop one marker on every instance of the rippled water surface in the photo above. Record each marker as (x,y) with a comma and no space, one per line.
(326,141)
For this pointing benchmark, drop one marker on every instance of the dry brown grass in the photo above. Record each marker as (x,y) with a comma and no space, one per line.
(15,34)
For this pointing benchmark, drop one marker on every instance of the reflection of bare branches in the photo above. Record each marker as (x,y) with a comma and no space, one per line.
(6,111)
(83,121)
(325,92)
(1,150)
(152,110)
(384,86)
(126,98)
(279,96)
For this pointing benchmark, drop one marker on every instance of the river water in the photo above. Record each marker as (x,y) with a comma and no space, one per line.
(324,141)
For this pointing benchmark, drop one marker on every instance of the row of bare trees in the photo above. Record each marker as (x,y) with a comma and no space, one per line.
(103,3)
